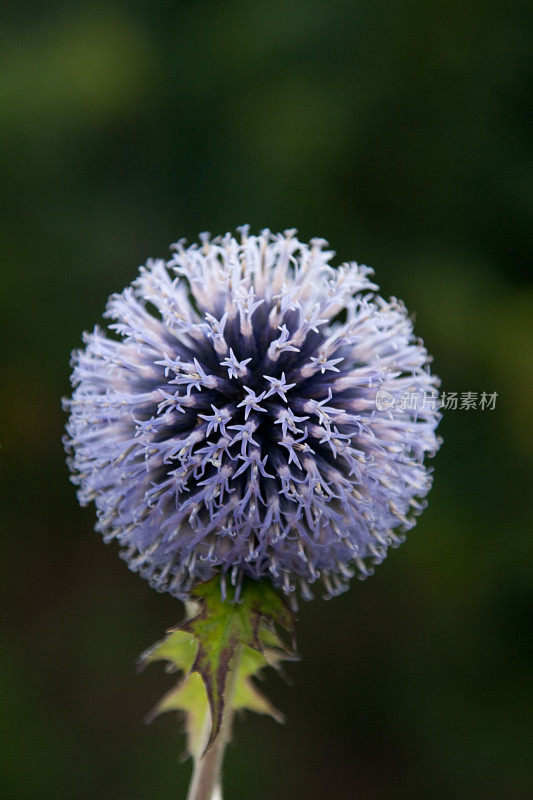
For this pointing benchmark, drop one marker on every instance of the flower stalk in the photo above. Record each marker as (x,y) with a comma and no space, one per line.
(206,780)
(219,648)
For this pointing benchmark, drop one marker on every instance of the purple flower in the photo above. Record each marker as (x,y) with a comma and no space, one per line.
(247,416)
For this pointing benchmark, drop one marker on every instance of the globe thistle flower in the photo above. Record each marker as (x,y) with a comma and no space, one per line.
(228,423)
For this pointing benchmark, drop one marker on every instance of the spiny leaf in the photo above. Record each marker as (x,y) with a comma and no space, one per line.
(190,697)
(247,696)
(204,646)
(221,626)
(178,648)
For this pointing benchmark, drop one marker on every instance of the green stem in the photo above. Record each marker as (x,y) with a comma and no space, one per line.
(206,777)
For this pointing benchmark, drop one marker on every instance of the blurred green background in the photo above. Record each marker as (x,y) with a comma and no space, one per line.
(397,130)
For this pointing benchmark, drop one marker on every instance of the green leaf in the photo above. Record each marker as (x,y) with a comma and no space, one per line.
(178,648)
(247,696)
(204,646)
(190,697)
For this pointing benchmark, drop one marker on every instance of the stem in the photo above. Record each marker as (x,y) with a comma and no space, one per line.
(206,777)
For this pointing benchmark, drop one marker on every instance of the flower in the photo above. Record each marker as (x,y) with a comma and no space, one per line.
(231,423)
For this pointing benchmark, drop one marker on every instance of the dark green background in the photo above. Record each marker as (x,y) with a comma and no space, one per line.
(397,130)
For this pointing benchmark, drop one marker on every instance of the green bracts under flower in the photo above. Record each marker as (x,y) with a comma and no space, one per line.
(216,636)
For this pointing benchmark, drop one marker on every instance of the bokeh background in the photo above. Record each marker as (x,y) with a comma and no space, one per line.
(398,131)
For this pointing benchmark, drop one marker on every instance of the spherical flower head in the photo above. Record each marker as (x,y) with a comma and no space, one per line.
(232,421)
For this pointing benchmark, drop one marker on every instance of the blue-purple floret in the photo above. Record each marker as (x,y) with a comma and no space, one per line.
(230,425)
